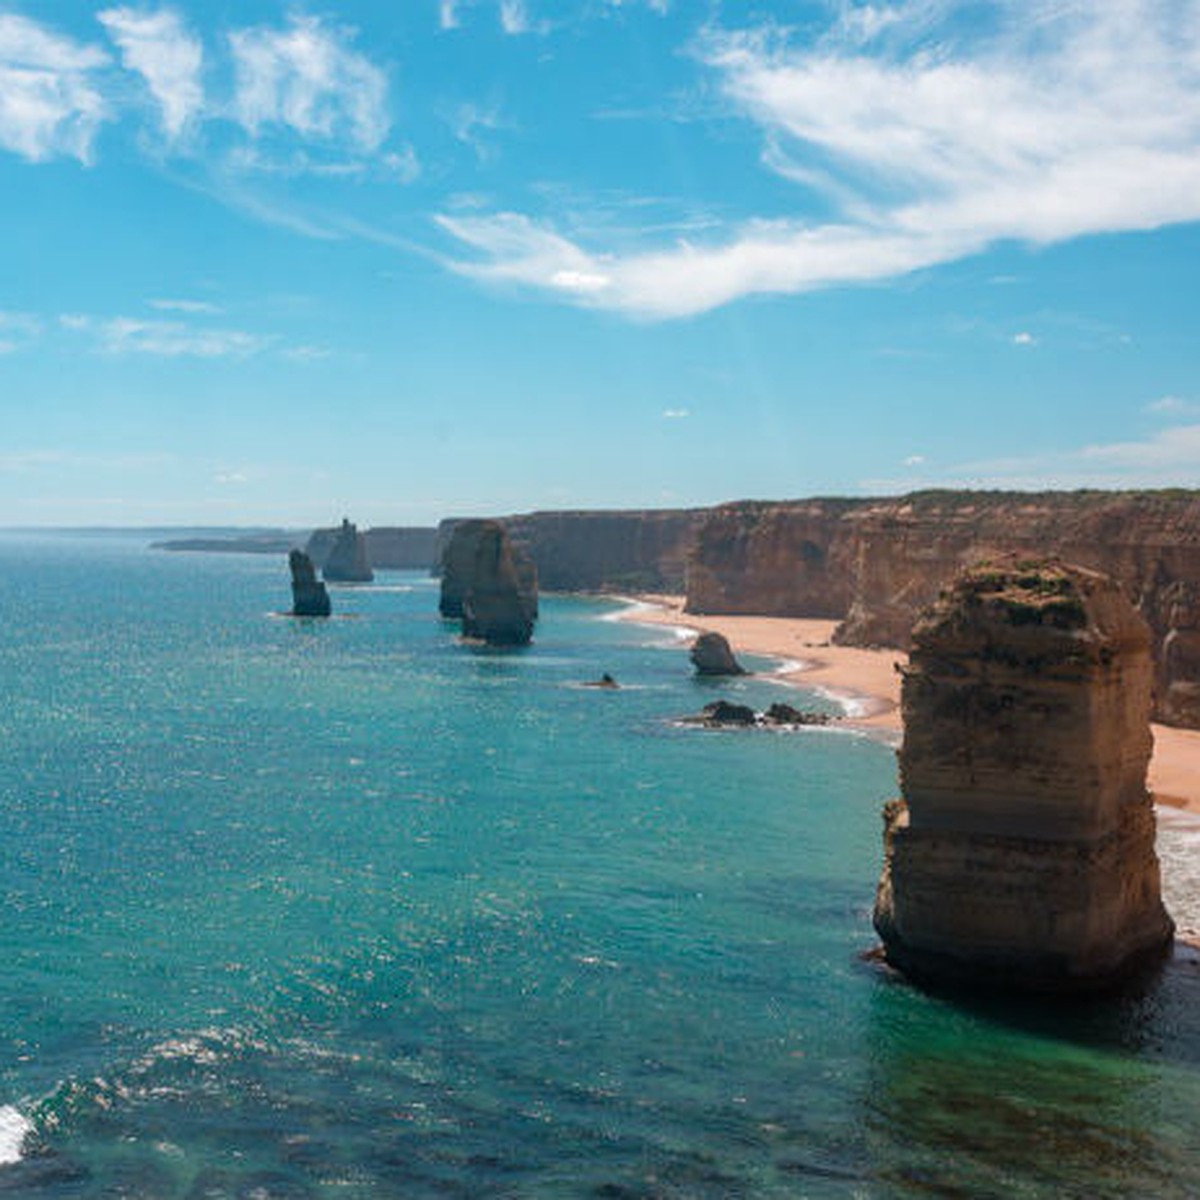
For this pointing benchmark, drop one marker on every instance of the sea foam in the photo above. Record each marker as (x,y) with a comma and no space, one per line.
(14,1129)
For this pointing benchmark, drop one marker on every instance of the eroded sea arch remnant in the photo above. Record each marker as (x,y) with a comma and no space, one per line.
(1022,852)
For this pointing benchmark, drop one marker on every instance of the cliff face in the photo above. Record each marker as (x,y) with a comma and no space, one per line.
(1022,853)
(878,562)
(774,560)
(595,551)
(340,554)
(401,548)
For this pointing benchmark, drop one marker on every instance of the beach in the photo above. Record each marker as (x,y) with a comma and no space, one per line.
(867,682)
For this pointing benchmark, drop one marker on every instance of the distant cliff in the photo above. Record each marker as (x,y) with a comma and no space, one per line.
(876,563)
(389,547)
(637,550)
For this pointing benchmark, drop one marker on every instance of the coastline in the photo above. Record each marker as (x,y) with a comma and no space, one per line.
(867,682)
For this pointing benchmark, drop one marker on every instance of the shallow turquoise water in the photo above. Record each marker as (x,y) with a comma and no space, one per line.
(350,909)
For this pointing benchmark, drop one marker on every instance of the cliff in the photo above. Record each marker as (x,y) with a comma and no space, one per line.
(878,562)
(637,550)
(1022,853)
(401,548)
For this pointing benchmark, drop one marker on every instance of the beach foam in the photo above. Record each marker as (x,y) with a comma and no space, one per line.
(14,1129)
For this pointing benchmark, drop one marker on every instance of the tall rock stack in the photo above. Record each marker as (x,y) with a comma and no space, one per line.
(347,561)
(488,585)
(1022,852)
(309,597)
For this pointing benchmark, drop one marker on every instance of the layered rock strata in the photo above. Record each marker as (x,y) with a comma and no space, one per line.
(1022,852)
(877,563)
(711,654)
(492,589)
(347,560)
(309,596)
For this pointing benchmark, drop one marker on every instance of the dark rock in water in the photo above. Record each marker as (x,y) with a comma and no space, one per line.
(481,564)
(721,712)
(605,681)
(481,581)
(1022,852)
(309,597)
(347,561)
(711,655)
(785,714)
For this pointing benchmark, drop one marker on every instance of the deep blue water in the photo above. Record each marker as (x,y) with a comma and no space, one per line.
(301,909)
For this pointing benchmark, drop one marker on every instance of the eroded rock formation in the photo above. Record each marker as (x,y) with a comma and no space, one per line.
(490,587)
(711,654)
(309,597)
(1022,853)
(347,560)
(877,563)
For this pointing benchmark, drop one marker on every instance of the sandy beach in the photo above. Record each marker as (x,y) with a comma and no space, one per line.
(867,682)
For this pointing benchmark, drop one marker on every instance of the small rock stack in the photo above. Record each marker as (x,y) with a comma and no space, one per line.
(309,597)
(1022,853)
(347,561)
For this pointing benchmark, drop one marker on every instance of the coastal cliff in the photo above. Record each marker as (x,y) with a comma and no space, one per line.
(346,560)
(1022,853)
(638,550)
(876,563)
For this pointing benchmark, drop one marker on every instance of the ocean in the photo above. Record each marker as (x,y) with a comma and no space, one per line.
(351,909)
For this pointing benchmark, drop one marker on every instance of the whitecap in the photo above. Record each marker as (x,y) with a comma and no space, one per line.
(14,1129)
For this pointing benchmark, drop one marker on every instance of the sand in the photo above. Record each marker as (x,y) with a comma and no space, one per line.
(867,682)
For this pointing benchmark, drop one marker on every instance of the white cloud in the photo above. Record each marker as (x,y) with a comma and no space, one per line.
(448,14)
(50,105)
(675,414)
(1060,120)
(1173,406)
(192,307)
(306,78)
(17,330)
(914,460)
(159,48)
(162,338)
(1024,338)
(514,18)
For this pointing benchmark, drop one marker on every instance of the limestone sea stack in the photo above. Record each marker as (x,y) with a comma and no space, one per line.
(309,597)
(488,585)
(1022,853)
(711,655)
(347,561)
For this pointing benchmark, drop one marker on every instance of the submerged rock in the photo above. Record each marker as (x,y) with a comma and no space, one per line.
(785,714)
(309,597)
(605,681)
(1022,852)
(711,655)
(347,560)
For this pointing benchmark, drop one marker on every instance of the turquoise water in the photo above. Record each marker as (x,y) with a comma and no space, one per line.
(304,909)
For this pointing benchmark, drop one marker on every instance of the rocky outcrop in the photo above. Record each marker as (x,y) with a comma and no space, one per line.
(309,597)
(711,655)
(1022,853)
(341,554)
(492,589)
(723,714)
(877,563)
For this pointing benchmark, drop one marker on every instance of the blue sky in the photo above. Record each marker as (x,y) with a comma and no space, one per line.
(268,263)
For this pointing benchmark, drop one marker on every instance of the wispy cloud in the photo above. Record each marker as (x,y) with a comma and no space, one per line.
(50,103)
(472,122)
(1173,406)
(1024,338)
(306,78)
(157,46)
(1060,120)
(675,414)
(17,330)
(163,338)
(193,307)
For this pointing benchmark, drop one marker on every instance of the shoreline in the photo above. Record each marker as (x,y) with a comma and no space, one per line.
(867,684)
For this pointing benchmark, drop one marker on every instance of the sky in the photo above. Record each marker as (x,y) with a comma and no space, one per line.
(270,264)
